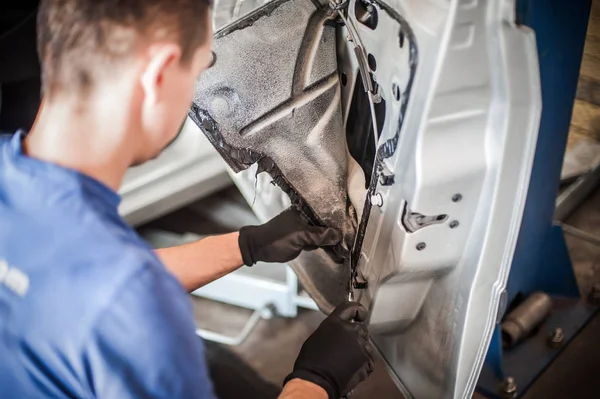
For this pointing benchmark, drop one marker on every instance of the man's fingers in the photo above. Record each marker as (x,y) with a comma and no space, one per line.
(283,238)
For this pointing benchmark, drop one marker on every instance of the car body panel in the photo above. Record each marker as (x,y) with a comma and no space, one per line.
(186,170)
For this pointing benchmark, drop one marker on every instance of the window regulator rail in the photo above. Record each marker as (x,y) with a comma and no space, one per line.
(374,97)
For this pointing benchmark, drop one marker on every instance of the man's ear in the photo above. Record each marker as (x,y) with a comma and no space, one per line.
(162,57)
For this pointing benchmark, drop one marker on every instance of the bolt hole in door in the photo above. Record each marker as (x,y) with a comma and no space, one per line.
(401,39)
(344,79)
(366,14)
(372,62)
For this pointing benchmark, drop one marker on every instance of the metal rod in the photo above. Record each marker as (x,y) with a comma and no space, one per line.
(576,193)
(373,120)
(232,341)
(361,59)
(575,232)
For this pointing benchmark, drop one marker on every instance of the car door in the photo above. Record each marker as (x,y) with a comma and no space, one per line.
(409,125)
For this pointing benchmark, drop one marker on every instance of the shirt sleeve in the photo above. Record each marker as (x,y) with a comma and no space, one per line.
(145,345)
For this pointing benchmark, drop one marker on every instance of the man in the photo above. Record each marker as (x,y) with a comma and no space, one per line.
(86,308)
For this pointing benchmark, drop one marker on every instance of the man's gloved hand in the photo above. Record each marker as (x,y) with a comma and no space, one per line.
(337,356)
(282,238)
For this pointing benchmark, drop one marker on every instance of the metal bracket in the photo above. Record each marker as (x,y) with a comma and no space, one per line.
(413,221)
(246,330)
(386,177)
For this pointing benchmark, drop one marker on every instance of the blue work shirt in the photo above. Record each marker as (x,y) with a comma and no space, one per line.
(87,310)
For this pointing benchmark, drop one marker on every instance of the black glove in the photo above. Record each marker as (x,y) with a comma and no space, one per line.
(337,356)
(282,238)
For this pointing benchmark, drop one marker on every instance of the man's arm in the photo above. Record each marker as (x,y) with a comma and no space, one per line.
(198,263)
(279,240)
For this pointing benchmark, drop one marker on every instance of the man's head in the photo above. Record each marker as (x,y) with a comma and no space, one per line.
(134,59)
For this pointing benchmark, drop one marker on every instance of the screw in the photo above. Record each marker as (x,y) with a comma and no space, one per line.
(454,224)
(594,295)
(509,387)
(377,200)
(421,246)
(456,197)
(556,338)
(370,9)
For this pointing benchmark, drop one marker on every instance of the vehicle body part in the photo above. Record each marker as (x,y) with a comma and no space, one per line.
(456,98)
(185,171)
(541,260)
(465,150)
(519,323)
